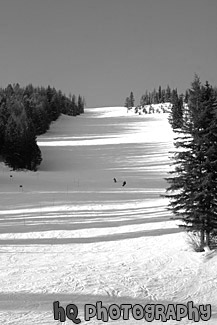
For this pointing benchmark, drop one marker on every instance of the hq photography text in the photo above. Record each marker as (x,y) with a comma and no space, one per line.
(148,312)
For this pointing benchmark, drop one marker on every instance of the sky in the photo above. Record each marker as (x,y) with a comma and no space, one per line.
(104,49)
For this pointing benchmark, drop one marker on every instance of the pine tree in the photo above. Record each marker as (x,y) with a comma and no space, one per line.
(80,105)
(194,178)
(168,94)
(4,115)
(163,95)
(132,100)
(154,97)
(176,115)
(74,106)
(127,103)
(159,95)
(145,99)
(186,96)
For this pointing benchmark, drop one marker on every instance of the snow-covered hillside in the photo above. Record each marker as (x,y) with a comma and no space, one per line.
(153,109)
(73,235)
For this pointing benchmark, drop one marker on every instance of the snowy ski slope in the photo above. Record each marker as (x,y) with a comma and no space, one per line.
(71,234)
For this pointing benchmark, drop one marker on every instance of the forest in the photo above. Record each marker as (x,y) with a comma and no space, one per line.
(26,112)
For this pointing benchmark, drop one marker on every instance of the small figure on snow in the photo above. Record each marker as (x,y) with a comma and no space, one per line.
(115,180)
(124,183)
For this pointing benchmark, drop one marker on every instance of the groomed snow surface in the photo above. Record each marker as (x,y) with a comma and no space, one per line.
(68,233)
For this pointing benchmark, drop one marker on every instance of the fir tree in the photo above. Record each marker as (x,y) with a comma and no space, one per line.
(127,103)
(163,95)
(194,181)
(176,115)
(80,105)
(186,96)
(168,94)
(4,115)
(159,95)
(74,106)
(145,99)
(131,99)
(154,97)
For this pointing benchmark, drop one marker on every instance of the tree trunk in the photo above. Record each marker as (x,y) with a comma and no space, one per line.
(207,238)
(202,239)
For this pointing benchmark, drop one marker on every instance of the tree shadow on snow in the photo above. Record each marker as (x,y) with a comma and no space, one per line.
(44,302)
(85,240)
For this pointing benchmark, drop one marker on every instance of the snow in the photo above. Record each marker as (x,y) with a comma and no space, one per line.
(152,109)
(71,234)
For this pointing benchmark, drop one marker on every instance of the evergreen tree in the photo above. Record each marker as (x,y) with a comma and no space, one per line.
(168,94)
(35,107)
(132,100)
(4,115)
(74,106)
(55,107)
(186,96)
(80,105)
(52,104)
(154,97)
(174,95)
(127,102)
(163,95)
(9,91)
(195,174)
(145,99)
(176,115)
(159,95)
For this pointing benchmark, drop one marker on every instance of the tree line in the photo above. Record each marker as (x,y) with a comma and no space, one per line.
(162,96)
(26,112)
(157,97)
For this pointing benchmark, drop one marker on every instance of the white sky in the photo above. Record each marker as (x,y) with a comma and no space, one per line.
(103,49)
